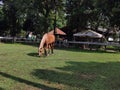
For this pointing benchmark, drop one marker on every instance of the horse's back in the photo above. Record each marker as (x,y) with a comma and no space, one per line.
(50,38)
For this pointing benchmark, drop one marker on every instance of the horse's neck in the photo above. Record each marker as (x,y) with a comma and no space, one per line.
(42,41)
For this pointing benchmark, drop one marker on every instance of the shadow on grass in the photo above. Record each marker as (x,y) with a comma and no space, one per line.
(37,85)
(1,88)
(84,75)
(88,51)
(36,55)
(33,54)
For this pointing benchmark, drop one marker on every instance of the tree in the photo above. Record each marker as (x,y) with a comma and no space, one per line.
(47,9)
(78,12)
(10,16)
(33,15)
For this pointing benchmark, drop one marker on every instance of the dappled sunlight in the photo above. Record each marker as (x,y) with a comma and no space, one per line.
(27,82)
(83,75)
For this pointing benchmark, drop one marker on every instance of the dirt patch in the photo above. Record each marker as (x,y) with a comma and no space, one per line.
(86,76)
(3,54)
(24,87)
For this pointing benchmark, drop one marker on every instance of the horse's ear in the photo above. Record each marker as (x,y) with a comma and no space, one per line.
(39,48)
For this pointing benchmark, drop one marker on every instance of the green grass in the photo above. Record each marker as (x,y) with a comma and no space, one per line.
(66,69)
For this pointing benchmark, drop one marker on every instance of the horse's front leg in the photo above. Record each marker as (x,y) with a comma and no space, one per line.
(46,50)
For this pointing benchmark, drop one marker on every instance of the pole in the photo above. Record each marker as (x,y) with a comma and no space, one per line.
(55,23)
(55,17)
(119,36)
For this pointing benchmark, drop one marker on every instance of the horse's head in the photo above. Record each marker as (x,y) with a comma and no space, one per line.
(40,51)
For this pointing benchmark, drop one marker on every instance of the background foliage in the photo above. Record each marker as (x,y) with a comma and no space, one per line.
(39,15)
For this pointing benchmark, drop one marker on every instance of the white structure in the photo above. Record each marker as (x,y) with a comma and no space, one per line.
(88,33)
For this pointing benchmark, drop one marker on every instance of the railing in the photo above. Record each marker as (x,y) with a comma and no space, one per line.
(95,43)
(19,40)
(6,39)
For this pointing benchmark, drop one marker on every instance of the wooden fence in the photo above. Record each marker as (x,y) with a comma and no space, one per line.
(95,43)
(91,44)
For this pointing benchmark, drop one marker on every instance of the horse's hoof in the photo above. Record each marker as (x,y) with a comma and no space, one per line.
(38,55)
(47,55)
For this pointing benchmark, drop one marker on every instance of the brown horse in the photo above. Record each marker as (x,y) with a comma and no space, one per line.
(46,43)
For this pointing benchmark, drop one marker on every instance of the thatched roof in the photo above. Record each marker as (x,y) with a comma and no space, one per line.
(58,32)
(88,33)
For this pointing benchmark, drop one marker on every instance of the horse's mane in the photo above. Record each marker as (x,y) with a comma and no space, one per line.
(43,41)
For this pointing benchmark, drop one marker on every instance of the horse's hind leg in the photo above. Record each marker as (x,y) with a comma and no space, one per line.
(49,46)
(50,49)
(52,46)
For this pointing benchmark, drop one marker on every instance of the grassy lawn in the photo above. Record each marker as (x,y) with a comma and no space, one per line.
(66,69)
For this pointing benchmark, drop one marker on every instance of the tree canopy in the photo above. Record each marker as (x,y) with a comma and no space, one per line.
(41,16)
